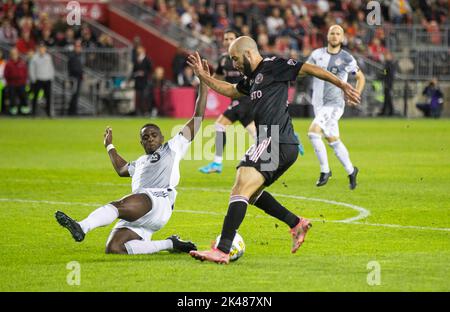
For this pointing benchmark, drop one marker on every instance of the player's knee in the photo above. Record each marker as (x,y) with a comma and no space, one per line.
(236,189)
(118,204)
(246,187)
(314,136)
(314,128)
(332,139)
(116,248)
(239,187)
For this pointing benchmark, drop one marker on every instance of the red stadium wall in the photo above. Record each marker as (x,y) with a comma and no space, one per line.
(160,50)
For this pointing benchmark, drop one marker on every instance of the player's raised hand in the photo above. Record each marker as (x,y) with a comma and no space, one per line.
(352,95)
(206,67)
(107,137)
(195,62)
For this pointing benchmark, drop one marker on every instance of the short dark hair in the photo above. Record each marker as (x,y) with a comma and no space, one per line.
(232,31)
(151,125)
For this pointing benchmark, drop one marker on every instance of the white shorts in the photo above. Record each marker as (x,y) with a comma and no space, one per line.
(327,118)
(151,222)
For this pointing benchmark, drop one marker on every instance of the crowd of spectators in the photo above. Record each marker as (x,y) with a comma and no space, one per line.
(283,25)
(296,27)
(23,26)
(25,29)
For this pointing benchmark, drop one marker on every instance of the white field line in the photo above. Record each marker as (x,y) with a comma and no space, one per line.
(362,212)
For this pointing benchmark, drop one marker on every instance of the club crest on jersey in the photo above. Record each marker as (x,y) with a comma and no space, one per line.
(155,157)
(259,78)
(338,61)
(292,62)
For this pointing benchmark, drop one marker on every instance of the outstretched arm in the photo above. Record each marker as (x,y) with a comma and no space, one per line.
(222,87)
(350,93)
(193,125)
(119,164)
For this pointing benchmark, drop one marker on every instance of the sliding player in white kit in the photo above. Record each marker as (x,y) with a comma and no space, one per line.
(328,102)
(154,178)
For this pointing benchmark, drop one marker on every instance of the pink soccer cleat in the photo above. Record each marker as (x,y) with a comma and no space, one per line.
(213,255)
(298,233)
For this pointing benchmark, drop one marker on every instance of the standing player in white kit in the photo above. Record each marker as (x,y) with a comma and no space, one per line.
(329,102)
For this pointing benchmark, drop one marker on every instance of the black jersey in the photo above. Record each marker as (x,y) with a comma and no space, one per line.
(226,69)
(268,89)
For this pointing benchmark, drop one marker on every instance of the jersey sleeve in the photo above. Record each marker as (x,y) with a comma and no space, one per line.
(243,86)
(286,70)
(311,59)
(179,144)
(352,66)
(131,167)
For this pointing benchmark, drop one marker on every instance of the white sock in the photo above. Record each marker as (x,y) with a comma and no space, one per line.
(320,150)
(100,217)
(342,154)
(218,159)
(136,247)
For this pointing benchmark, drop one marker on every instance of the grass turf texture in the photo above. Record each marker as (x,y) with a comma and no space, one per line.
(404,180)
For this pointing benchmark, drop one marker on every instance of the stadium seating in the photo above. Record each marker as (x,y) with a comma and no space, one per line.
(421,37)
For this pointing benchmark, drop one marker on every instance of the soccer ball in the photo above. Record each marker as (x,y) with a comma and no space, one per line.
(237,248)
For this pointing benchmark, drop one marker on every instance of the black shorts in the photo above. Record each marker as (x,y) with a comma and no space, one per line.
(268,161)
(240,109)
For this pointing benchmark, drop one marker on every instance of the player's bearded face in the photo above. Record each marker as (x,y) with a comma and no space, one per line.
(247,71)
(335,39)
(335,44)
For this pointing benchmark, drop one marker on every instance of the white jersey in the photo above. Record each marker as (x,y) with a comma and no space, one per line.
(340,64)
(160,170)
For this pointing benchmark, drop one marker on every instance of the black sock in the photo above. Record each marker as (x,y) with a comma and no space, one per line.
(221,140)
(272,207)
(235,215)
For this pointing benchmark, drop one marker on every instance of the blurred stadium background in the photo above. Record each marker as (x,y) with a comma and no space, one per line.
(412,40)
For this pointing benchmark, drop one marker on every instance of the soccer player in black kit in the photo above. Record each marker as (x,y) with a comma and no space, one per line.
(239,109)
(267,83)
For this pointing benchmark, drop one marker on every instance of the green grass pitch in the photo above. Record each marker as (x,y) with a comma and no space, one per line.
(404,183)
